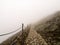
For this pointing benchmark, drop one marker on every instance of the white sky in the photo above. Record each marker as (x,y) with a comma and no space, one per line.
(14,12)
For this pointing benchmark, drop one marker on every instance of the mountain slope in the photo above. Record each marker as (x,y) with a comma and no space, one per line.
(46,32)
(50,29)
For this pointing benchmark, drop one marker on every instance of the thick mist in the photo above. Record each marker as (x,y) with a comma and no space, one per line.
(15,12)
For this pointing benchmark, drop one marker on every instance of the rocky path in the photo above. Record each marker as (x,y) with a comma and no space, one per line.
(34,38)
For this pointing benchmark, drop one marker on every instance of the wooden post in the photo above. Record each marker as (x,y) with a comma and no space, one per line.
(22,34)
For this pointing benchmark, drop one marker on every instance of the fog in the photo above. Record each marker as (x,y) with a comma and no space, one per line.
(15,12)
